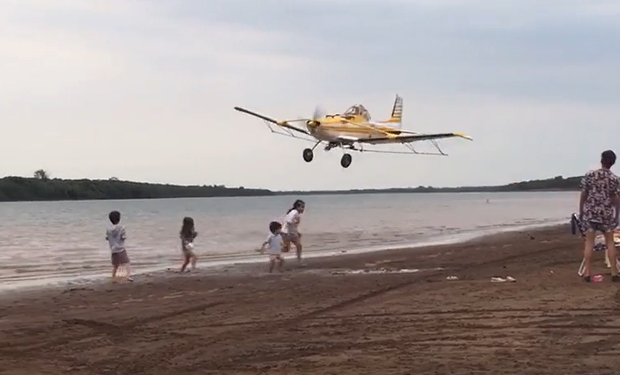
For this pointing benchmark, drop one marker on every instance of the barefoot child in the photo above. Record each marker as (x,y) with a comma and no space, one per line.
(188,234)
(274,240)
(116,237)
(291,231)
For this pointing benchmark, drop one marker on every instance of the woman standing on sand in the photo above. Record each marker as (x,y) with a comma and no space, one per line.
(290,233)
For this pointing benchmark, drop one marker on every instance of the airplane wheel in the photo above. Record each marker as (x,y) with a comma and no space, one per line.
(308,155)
(346,160)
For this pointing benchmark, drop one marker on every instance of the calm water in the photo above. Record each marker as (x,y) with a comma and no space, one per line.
(46,241)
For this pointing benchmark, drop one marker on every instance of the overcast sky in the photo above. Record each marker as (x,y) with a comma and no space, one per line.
(145,90)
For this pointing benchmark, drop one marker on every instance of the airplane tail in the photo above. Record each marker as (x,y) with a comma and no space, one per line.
(397,113)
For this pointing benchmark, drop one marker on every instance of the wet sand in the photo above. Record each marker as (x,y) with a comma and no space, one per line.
(315,320)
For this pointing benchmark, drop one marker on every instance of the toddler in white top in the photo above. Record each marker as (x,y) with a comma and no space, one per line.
(274,241)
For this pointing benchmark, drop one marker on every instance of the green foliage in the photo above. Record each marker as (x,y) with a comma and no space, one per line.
(39,189)
(41,174)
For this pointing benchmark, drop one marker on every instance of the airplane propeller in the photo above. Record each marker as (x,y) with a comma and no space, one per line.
(318,114)
(311,123)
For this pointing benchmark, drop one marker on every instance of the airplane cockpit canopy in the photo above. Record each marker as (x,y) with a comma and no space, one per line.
(357,110)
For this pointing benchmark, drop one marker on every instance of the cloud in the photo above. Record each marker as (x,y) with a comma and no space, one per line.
(144,90)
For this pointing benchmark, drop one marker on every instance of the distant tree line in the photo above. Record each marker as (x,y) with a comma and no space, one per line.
(44,188)
(558,183)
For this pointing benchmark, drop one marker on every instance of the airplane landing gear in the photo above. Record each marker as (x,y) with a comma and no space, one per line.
(308,155)
(346,160)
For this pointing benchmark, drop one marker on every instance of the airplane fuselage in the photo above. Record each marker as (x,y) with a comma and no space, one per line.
(332,129)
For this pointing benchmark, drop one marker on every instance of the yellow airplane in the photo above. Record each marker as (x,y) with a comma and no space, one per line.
(354,127)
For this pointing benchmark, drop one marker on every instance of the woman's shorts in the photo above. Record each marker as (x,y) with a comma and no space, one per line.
(291,237)
(593,226)
(118,259)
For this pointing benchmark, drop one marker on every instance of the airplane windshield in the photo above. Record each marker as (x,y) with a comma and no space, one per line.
(357,110)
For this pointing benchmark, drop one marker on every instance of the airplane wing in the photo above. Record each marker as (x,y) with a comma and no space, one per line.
(410,138)
(284,124)
(403,137)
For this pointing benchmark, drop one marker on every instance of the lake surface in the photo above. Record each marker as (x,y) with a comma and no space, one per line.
(50,241)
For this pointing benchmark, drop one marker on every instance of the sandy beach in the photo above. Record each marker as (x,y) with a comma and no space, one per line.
(320,320)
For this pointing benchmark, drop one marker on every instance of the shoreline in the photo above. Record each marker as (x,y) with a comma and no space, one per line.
(337,315)
(225,263)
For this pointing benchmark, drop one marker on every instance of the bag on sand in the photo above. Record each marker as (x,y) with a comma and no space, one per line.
(599,243)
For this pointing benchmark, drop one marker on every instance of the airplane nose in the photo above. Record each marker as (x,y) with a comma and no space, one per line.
(312,123)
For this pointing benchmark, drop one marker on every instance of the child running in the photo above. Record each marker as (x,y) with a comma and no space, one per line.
(274,240)
(116,237)
(188,234)
(291,230)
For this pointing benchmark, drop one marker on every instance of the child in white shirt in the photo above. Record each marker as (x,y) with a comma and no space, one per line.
(116,237)
(188,234)
(274,240)
(291,228)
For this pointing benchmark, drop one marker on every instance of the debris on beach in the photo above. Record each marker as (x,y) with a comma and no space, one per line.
(376,271)
(378,262)
(497,279)
(381,271)
(451,278)
(78,289)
